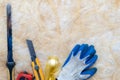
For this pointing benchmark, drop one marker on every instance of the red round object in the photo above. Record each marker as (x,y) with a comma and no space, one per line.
(24,76)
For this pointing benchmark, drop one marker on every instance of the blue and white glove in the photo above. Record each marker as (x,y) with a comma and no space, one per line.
(77,65)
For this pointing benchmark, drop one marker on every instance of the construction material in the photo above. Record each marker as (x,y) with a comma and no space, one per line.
(78,64)
(52,67)
(37,69)
(10,62)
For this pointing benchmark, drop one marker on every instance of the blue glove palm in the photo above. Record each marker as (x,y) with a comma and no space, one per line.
(76,66)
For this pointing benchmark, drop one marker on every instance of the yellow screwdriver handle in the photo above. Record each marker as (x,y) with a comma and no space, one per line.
(52,68)
(40,70)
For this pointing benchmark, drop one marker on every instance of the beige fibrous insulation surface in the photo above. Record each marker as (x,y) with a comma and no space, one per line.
(55,26)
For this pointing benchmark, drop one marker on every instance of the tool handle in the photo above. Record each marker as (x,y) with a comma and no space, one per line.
(40,69)
(37,73)
(11,70)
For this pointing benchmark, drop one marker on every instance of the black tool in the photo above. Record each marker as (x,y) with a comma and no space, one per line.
(10,62)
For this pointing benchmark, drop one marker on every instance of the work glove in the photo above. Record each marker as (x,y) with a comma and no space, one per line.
(77,65)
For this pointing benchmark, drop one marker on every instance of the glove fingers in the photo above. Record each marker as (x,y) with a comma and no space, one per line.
(89,52)
(89,73)
(91,61)
(73,52)
(83,48)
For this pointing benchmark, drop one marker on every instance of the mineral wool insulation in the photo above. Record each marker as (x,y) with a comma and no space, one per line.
(55,26)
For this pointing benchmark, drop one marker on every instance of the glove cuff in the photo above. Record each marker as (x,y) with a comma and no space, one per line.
(64,76)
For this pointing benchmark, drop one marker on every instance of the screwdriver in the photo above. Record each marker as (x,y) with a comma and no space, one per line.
(10,62)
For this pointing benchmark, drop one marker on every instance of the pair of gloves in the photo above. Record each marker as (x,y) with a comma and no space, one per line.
(77,65)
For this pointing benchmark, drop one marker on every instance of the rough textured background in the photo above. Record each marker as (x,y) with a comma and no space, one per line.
(55,26)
